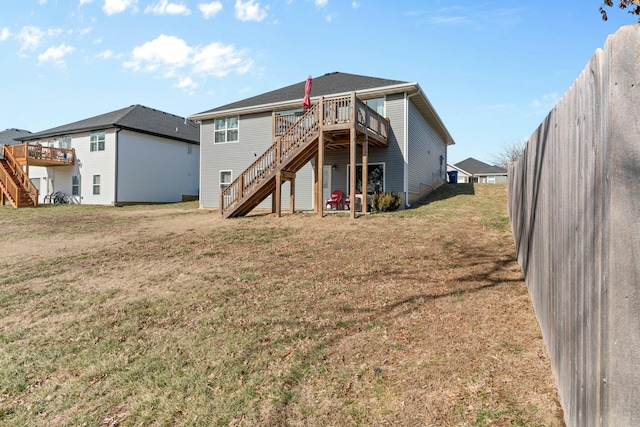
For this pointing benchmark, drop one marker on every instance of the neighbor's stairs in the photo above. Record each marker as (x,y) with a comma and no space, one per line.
(11,182)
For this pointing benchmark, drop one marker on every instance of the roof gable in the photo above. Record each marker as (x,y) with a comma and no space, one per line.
(476,167)
(137,118)
(328,84)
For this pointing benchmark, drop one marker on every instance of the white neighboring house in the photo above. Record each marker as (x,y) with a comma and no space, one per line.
(133,155)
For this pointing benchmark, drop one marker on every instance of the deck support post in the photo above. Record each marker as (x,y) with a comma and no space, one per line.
(365,172)
(352,157)
(278,193)
(292,196)
(315,185)
(320,162)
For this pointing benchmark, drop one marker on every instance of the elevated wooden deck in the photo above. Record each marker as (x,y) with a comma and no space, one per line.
(15,185)
(335,123)
(39,155)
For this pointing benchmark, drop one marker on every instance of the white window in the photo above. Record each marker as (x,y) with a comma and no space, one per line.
(64,142)
(75,185)
(376,104)
(491,179)
(97,142)
(96,184)
(375,177)
(226,130)
(225,178)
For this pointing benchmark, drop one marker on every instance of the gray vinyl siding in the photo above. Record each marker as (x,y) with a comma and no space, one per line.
(254,137)
(393,156)
(425,148)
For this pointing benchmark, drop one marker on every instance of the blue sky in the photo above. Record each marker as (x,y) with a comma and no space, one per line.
(492,69)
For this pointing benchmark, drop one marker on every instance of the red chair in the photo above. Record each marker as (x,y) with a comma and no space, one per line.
(347,201)
(335,201)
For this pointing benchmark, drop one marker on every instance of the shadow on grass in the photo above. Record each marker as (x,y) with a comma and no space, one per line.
(490,270)
(447,191)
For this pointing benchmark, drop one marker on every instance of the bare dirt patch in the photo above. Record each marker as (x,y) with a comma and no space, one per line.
(172,316)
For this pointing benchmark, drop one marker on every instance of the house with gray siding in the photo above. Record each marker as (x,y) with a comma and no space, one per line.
(472,170)
(132,155)
(258,148)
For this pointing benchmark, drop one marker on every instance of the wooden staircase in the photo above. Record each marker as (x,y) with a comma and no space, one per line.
(15,185)
(295,144)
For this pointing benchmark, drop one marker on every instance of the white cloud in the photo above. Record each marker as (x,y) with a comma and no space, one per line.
(4,34)
(112,7)
(210,9)
(108,54)
(321,3)
(165,52)
(55,55)
(42,1)
(330,17)
(355,4)
(219,60)
(250,11)
(187,84)
(83,2)
(165,8)
(172,57)
(30,38)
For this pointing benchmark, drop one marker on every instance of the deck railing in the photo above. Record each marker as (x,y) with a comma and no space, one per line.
(23,179)
(64,156)
(290,139)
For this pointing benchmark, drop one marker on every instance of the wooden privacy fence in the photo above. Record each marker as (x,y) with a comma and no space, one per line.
(574,206)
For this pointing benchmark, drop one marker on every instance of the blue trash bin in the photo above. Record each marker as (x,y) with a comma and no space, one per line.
(453,177)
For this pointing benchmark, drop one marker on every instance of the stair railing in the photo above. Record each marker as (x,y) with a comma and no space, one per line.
(9,187)
(293,134)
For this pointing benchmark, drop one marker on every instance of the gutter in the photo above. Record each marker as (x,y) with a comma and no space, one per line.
(293,103)
(115,184)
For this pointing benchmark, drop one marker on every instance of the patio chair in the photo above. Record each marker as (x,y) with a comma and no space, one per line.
(335,201)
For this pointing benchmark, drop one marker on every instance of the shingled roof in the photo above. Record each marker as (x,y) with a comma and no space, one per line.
(136,118)
(328,84)
(476,167)
(8,136)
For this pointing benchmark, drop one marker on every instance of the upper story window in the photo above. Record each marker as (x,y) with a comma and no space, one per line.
(64,142)
(97,141)
(226,130)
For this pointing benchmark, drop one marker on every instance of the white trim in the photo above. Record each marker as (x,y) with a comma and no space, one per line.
(384,173)
(405,156)
(220,183)
(226,130)
(295,103)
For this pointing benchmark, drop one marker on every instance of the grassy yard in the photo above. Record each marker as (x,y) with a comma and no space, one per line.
(170,316)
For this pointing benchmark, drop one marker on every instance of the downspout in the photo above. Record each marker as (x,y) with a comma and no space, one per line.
(115,184)
(406,148)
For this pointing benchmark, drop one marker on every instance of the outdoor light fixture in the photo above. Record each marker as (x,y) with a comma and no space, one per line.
(334,167)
